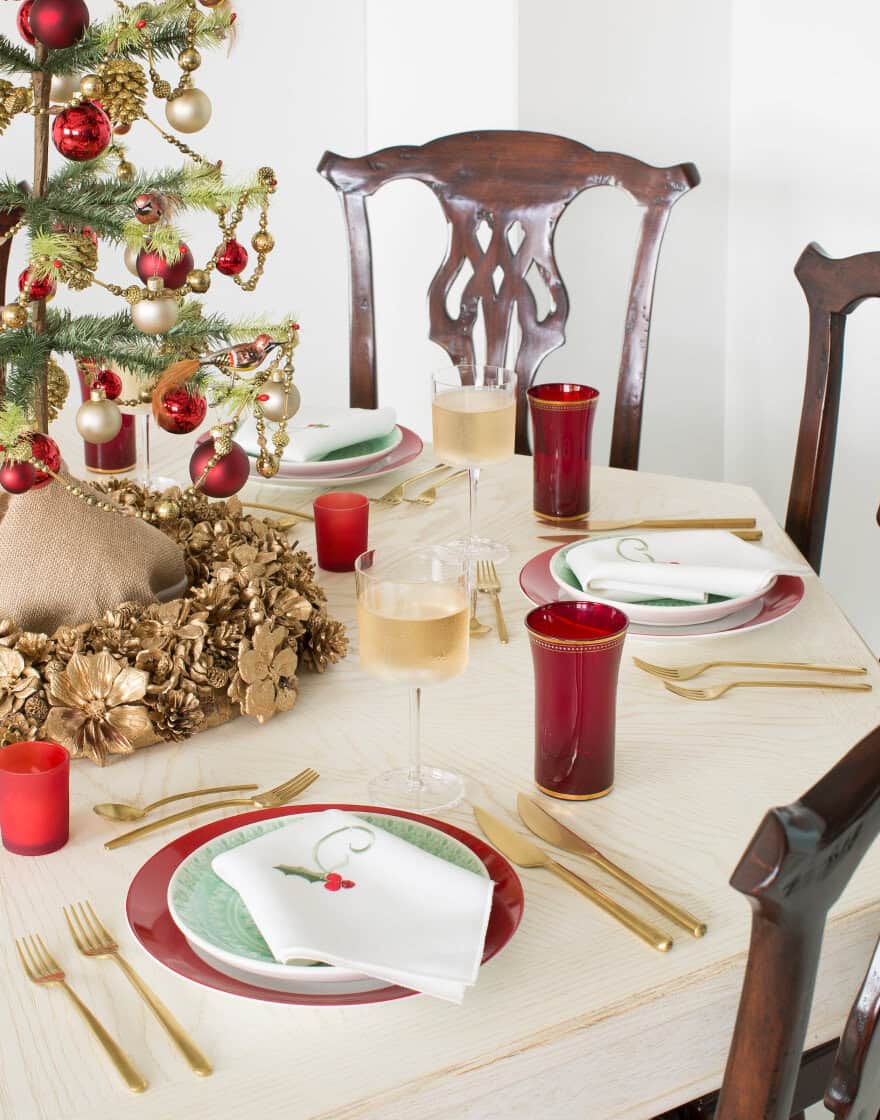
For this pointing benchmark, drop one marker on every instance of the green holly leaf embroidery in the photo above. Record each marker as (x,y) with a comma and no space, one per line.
(302,872)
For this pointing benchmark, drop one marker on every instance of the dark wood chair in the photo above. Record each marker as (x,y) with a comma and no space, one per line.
(833,289)
(514,183)
(792,872)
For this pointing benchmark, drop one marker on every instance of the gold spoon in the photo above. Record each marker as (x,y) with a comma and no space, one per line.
(117,811)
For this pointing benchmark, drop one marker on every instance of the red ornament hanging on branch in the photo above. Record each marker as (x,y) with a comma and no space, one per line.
(181,411)
(23,22)
(108,380)
(232,258)
(59,23)
(225,478)
(46,450)
(17,478)
(36,289)
(150,263)
(81,132)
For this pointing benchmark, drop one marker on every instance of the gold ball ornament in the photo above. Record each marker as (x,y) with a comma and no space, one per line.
(131,256)
(13,315)
(125,172)
(64,86)
(190,111)
(145,396)
(168,510)
(199,280)
(277,405)
(91,87)
(98,420)
(155,316)
(267,464)
(189,59)
(262,242)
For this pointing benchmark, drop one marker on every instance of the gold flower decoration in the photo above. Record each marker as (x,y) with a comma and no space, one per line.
(17,682)
(266,678)
(169,624)
(94,711)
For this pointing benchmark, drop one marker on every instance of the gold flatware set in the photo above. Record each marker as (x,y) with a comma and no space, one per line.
(119,811)
(572,538)
(593,525)
(543,824)
(670,674)
(93,939)
(489,584)
(270,799)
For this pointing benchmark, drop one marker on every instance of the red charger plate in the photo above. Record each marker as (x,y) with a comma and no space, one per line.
(150,920)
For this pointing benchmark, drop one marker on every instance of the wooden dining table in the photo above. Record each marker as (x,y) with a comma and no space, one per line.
(575,1018)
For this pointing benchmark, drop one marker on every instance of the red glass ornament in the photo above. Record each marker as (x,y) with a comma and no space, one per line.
(36,289)
(81,132)
(17,478)
(181,412)
(59,23)
(562,432)
(46,450)
(108,380)
(34,798)
(341,528)
(227,477)
(154,264)
(233,258)
(576,648)
(23,22)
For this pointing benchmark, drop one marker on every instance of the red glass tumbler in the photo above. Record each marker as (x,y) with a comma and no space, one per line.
(562,432)
(119,454)
(576,648)
(34,797)
(341,523)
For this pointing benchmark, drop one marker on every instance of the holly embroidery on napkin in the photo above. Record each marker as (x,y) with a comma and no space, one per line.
(330,876)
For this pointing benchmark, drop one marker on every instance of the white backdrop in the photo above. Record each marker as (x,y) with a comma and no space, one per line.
(772,102)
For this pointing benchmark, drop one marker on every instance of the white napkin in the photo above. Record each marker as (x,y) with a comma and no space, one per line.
(686,565)
(315,432)
(397,912)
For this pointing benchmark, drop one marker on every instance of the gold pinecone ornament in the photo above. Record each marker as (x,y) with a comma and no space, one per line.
(13,99)
(58,388)
(125,90)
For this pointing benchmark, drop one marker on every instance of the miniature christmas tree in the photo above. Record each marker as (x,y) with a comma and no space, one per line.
(86,86)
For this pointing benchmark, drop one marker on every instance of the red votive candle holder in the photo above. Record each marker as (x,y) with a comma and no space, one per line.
(576,649)
(341,524)
(34,798)
(562,433)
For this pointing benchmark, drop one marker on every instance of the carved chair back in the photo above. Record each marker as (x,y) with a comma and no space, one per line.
(833,289)
(516,183)
(792,872)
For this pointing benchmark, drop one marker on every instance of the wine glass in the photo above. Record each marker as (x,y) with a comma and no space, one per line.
(473,413)
(413,615)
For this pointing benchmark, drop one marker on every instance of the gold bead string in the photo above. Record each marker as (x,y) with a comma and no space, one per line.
(181,147)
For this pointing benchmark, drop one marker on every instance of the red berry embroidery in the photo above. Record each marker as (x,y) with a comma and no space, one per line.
(328,886)
(348,883)
(333,881)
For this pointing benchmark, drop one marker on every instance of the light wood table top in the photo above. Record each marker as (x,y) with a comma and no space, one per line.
(576,1017)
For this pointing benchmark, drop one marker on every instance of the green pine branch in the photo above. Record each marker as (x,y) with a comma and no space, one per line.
(13,58)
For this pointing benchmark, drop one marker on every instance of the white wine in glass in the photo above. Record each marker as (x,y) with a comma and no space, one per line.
(413,618)
(473,414)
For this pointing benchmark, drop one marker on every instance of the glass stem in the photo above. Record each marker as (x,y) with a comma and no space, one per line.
(146,470)
(414,776)
(473,483)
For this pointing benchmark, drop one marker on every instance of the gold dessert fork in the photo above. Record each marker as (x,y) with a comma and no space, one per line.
(688,672)
(271,799)
(429,496)
(395,495)
(714,691)
(42,968)
(93,939)
(489,583)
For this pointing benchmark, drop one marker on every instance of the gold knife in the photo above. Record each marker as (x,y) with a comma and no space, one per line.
(526,854)
(656,523)
(536,818)
(570,538)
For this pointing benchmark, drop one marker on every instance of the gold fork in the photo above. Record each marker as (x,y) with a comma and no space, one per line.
(429,496)
(395,495)
(42,968)
(688,672)
(270,799)
(714,691)
(93,939)
(489,583)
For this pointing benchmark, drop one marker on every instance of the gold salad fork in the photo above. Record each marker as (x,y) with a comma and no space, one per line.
(93,939)
(270,799)
(395,495)
(688,672)
(42,968)
(489,583)
(429,496)
(714,691)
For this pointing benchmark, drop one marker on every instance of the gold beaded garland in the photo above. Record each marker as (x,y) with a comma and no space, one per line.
(199,281)
(189,59)
(263,241)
